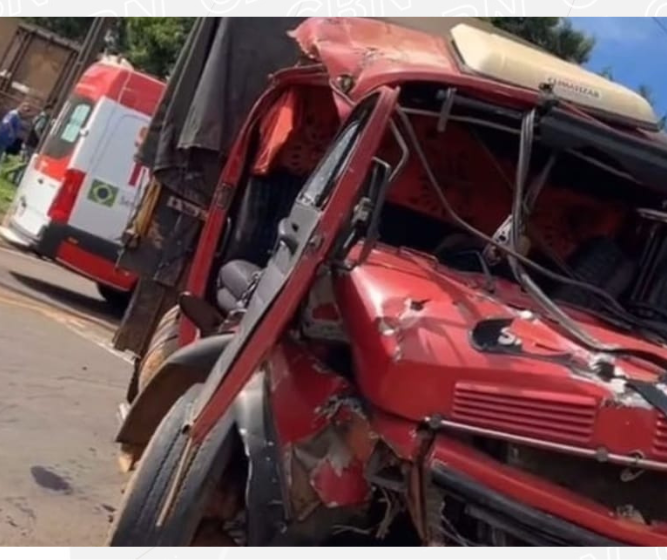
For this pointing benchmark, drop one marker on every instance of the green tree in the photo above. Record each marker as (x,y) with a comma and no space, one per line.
(553,34)
(153,44)
(74,28)
(150,44)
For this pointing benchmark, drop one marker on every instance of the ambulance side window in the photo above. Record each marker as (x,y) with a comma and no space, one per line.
(63,137)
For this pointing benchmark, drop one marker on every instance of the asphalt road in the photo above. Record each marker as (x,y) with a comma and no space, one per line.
(61,385)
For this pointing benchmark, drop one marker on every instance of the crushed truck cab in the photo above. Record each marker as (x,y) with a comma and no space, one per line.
(425,307)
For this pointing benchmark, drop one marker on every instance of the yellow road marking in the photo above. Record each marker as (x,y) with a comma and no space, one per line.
(75,324)
(24,303)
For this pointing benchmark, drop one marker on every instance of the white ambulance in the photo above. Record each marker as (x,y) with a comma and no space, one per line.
(79,190)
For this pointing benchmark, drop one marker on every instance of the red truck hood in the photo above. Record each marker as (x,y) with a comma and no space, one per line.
(412,326)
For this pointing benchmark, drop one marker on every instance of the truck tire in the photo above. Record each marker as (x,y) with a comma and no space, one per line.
(117,299)
(136,521)
(163,344)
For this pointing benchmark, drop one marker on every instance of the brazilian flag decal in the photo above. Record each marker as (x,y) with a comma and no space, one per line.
(101,193)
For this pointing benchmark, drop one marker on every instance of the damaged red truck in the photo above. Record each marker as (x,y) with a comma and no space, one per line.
(455,333)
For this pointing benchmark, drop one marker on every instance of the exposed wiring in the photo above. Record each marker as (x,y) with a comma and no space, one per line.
(474,231)
(519,207)
(585,340)
(449,531)
(503,128)
(524,280)
(619,312)
(625,321)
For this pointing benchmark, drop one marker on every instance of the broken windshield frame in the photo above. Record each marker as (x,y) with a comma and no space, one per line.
(640,159)
(318,187)
(511,252)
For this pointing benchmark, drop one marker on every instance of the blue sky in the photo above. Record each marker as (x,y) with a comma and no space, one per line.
(634,47)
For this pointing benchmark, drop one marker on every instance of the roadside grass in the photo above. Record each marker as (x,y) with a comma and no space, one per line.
(7,188)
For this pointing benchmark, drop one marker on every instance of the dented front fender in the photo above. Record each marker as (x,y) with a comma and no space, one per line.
(184,368)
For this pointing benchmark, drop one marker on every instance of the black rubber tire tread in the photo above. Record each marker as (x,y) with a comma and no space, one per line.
(200,477)
(135,523)
(164,329)
(163,344)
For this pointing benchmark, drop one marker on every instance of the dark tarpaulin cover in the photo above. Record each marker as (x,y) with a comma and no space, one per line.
(222,70)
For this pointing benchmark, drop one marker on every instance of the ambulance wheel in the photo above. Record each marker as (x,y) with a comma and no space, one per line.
(139,520)
(117,299)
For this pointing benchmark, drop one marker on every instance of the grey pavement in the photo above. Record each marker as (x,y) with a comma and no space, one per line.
(59,483)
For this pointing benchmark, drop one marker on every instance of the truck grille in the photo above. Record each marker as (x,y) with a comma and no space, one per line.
(660,438)
(565,418)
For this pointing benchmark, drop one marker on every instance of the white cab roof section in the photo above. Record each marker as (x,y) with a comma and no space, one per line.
(497,57)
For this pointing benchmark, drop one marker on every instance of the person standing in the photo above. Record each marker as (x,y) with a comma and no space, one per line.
(37,130)
(12,126)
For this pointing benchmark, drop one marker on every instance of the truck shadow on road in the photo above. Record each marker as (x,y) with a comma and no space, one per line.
(72,301)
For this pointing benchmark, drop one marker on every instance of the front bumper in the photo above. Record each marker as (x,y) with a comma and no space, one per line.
(523,523)
(80,251)
(54,235)
(532,509)
(15,239)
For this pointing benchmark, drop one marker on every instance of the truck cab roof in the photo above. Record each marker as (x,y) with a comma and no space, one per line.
(475,57)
